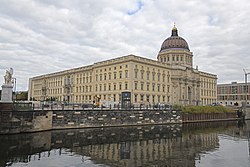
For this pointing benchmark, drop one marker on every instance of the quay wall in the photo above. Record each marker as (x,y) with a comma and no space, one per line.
(32,121)
(41,120)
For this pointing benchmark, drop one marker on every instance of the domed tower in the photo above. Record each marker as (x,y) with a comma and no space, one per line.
(175,50)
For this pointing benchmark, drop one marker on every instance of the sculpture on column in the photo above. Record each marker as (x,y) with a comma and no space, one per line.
(8,77)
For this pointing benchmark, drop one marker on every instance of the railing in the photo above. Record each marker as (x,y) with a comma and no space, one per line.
(77,106)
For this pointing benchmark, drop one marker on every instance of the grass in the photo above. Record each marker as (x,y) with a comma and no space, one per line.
(205,109)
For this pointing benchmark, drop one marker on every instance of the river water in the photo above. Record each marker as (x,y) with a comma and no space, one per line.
(224,144)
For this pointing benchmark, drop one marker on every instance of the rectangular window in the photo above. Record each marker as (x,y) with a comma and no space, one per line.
(109,76)
(120,86)
(135,98)
(114,86)
(147,87)
(142,98)
(114,75)
(126,74)
(135,85)
(147,98)
(142,85)
(148,76)
(126,86)
(100,87)
(120,75)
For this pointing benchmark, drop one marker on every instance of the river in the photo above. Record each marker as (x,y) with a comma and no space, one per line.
(210,144)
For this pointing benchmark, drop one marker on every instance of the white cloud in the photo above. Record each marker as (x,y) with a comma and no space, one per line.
(44,36)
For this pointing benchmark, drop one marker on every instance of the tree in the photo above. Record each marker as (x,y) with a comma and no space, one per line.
(22,96)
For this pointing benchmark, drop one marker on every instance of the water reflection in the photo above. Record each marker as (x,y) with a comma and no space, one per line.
(168,145)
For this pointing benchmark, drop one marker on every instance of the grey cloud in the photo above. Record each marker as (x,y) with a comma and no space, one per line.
(44,36)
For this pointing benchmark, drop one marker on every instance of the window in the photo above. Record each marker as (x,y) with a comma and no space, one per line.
(135,98)
(135,85)
(114,75)
(158,88)
(142,74)
(142,98)
(159,98)
(109,87)
(96,78)
(104,87)
(159,76)
(142,85)
(147,75)
(147,87)
(100,77)
(120,86)
(153,87)
(109,76)
(147,98)
(114,86)
(163,88)
(120,74)
(126,74)
(135,74)
(126,86)
(105,76)
(100,87)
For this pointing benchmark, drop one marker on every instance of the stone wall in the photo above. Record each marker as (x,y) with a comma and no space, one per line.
(25,121)
(104,118)
(195,117)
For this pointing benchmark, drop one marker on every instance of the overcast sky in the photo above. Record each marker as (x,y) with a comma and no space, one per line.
(44,36)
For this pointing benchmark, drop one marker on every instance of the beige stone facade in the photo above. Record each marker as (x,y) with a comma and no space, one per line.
(170,80)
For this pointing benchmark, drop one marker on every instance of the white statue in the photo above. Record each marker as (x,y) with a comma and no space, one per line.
(8,77)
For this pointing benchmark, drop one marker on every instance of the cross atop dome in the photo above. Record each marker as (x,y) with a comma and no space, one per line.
(174,31)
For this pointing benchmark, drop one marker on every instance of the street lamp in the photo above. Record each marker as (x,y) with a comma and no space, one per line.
(246,90)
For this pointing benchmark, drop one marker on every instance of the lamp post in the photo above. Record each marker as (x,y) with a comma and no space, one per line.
(246,90)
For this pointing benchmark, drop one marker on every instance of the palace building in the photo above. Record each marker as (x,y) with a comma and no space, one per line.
(171,79)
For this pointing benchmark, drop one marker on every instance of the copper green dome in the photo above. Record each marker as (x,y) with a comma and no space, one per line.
(174,42)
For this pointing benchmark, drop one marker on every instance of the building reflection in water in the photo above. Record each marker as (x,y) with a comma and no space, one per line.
(168,145)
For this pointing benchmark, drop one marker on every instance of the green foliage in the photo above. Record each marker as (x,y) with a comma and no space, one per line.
(21,96)
(206,109)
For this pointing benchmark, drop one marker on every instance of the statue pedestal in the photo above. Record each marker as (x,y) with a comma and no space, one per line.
(6,95)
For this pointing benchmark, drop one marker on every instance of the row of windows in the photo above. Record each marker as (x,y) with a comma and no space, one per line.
(153,74)
(208,93)
(108,87)
(176,58)
(154,98)
(233,97)
(108,76)
(154,87)
(115,68)
(233,89)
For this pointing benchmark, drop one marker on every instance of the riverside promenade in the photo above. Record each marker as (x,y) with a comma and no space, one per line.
(29,119)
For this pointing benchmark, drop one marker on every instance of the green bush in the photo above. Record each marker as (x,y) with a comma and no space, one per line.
(206,109)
